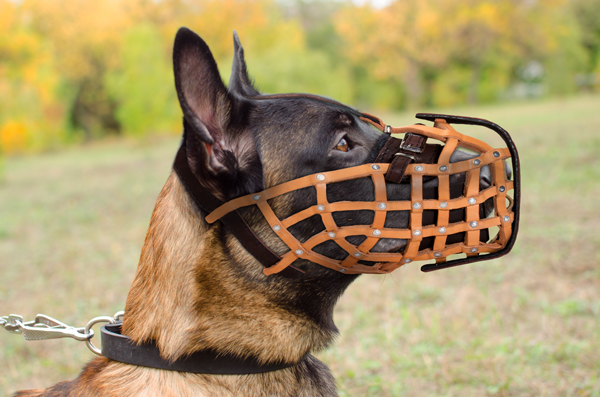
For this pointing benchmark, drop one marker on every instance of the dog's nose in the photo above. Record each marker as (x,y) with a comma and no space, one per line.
(485,177)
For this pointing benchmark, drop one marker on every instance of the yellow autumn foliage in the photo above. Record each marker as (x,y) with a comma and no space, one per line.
(77,70)
(13,138)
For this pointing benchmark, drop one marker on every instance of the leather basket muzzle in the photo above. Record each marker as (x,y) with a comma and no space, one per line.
(450,241)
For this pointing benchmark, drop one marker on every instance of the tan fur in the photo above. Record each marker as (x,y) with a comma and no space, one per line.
(186,296)
(196,287)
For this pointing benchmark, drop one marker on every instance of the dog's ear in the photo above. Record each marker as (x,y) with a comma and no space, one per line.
(240,82)
(202,95)
(220,151)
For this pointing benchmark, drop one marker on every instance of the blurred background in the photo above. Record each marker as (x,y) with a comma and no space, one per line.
(77,70)
(89,126)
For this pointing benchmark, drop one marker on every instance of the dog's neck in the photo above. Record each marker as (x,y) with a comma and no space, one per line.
(190,293)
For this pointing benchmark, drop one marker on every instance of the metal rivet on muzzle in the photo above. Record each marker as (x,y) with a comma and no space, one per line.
(506,218)
(496,154)
(443,204)
(407,260)
(331,234)
(474,249)
(256,197)
(502,189)
(437,254)
(382,206)
(474,224)
(443,168)
(376,232)
(321,177)
(442,230)
(375,167)
(476,161)
(277,228)
(357,254)
(419,168)
(417,233)
(417,206)
(343,270)
(472,200)
(299,252)
(321,207)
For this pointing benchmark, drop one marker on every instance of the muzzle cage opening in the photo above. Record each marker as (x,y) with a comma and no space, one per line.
(442,253)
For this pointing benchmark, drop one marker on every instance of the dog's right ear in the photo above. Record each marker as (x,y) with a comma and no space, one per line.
(239,82)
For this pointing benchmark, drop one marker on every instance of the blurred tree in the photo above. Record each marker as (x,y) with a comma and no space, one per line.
(293,68)
(258,22)
(31,113)
(479,37)
(142,86)
(316,17)
(85,39)
(277,53)
(74,70)
(587,14)
(401,42)
(322,51)
(447,52)
(566,59)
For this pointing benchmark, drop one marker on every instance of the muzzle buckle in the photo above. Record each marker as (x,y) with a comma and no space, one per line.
(405,155)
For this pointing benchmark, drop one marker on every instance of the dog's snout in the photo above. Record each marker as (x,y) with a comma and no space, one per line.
(485,178)
(485,175)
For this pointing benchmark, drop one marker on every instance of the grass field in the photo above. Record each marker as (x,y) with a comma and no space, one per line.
(72,225)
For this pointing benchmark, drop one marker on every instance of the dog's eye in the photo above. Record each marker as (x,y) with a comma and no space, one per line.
(342,145)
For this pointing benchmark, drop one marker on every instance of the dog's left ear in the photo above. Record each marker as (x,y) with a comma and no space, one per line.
(239,82)
(220,151)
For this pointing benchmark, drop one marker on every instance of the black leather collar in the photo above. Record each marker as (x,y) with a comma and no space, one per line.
(121,348)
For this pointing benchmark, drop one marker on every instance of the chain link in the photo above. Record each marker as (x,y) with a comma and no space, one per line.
(45,327)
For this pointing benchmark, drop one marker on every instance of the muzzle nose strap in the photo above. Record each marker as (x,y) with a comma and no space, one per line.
(411,145)
(401,152)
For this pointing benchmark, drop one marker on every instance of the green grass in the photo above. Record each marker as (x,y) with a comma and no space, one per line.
(72,225)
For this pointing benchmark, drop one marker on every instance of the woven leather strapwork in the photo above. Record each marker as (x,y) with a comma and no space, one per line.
(503,220)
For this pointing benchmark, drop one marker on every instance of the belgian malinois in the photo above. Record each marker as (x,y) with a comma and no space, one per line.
(196,286)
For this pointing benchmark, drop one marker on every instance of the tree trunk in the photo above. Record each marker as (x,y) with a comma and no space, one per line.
(473,93)
(414,85)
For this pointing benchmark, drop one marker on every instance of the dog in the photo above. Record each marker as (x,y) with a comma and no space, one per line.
(197,287)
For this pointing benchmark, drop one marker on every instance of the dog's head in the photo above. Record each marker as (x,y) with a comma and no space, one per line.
(244,142)
(240,142)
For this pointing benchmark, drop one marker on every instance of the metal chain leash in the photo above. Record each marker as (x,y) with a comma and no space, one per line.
(45,327)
